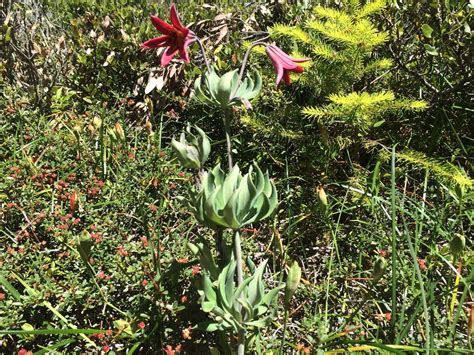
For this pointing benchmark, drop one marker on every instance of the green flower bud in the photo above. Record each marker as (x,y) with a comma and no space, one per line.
(292,282)
(119,132)
(322,198)
(192,150)
(97,122)
(457,244)
(380,265)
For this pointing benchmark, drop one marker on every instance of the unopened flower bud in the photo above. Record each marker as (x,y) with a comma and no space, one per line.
(149,127)
(380,265)
(457,244)
(97,122)
(91,128)
(119,133)
(76,129)
(292,282)
(322,198)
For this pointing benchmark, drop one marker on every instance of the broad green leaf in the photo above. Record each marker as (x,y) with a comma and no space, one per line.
(427,30)
(431,50)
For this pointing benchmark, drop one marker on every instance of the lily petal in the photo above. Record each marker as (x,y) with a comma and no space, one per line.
(190,39)
(283,58)
(277,64)
(183,53)
(174,17)
(286,56)
(162,41)
(162,26)
(168,55)
(175,36)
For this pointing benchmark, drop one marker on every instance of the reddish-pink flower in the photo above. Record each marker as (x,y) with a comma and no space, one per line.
(175,37)
(284,64)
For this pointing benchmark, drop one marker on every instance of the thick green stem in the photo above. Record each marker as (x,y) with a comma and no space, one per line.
(227,119)
(240,279)
(220,248)
(238,257)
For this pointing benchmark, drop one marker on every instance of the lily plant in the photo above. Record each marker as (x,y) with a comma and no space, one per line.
(227,200)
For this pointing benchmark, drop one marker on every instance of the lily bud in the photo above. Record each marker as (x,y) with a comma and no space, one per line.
(322,198)
(380,265)
(292,282)
(149,127)
(97,122)
(84,246)
(119,132)
(91,128)
(77,131)
(457,244)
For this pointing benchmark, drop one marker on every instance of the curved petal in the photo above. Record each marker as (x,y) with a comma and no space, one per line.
(183,53)
(300,60)
(283,58)
(162,41)
(174,17)
(190,39)
(162,26)
(276,63)
(168,55)
(289,61)
(286,56)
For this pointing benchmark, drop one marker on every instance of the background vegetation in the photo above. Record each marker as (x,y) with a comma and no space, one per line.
(371,151)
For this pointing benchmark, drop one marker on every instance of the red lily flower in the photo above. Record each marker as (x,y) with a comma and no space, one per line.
(176,37)
(284,64)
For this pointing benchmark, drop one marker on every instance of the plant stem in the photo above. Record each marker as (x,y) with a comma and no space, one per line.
(227,119)
(422,291)
(203,52)
(240,279)
(219,247)
(284,331)
(394,247)
(246,57)
(244,63)
(238,257)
